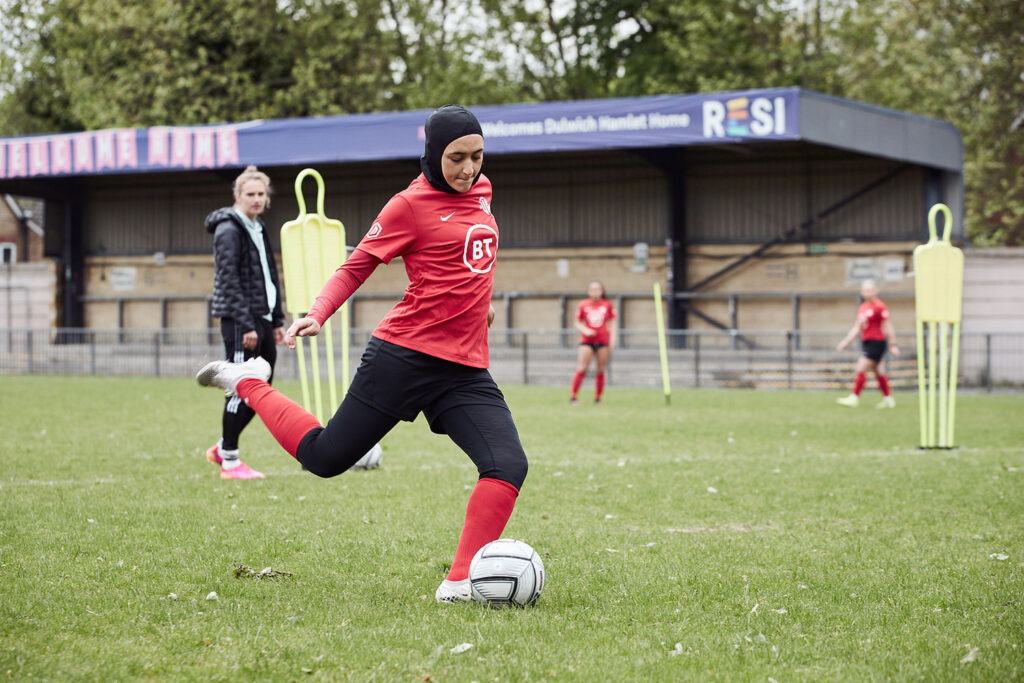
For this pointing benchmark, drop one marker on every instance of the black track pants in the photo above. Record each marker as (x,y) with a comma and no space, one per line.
(236,414)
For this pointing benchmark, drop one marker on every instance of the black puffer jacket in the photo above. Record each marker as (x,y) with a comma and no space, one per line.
(239,289)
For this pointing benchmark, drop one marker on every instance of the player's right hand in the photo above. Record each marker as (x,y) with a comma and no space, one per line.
(303,327)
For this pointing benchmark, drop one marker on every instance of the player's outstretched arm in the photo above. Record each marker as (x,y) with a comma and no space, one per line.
(890,336)
(850,336)
(340,286)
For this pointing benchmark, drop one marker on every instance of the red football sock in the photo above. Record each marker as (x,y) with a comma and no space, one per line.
(287,421)
(577,380)
(490,506)
(858,383)
(598,386)
(883,384)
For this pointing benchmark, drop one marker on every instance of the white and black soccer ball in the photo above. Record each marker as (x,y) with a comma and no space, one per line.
(506,572)
(371,460)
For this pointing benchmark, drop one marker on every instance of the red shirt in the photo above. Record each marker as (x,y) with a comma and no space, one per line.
(449,244)
(595,315)
(870,316)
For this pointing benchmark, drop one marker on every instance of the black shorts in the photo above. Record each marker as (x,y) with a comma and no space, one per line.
(403,383)
(874,349)
(593,345)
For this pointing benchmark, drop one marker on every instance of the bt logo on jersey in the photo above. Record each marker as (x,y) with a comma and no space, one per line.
(481,248)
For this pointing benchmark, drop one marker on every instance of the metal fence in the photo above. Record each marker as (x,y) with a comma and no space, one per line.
(756,359)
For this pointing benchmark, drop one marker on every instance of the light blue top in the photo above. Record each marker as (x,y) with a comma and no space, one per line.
(255,231)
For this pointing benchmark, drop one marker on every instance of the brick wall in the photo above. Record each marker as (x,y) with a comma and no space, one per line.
(828,284)
(28,295)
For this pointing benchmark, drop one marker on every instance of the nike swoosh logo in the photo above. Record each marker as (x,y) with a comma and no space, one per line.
(445,218)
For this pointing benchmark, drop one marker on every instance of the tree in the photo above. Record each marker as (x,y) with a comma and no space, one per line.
(74,64)
(957,60)
(708,46)
(85,64)
(600,48)
(340,59)
(31,98)
(445,52)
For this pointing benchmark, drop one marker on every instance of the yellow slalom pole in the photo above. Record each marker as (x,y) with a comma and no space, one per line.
(659,315)
(332,385)
(953,370)
(314,362)
(313,246)
(344,347)
(943,381)
(286,255)
(303,380)
(938,303)
(931,384)
(922,398)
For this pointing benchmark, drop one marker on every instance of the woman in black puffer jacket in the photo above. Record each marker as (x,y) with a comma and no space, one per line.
(247,299)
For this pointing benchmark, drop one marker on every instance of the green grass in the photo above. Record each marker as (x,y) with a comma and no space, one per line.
(771,535)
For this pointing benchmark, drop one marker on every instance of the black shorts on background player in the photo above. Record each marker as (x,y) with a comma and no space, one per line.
(874,349)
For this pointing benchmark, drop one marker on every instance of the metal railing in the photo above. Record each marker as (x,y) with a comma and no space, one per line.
(765,359)
(560,313)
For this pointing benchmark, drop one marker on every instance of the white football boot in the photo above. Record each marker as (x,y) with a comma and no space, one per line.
(227,375)
(850,401)
(454,591)
(887,402)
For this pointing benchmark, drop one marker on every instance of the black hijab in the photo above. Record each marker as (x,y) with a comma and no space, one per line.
(446,124)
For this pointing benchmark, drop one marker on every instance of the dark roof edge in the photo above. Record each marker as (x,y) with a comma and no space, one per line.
(878,131)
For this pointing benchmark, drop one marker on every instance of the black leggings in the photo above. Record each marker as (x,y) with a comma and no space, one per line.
(485,432)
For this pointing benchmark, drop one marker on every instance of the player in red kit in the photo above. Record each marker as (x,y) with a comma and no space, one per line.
(876,335)
(595,319)
(429,354)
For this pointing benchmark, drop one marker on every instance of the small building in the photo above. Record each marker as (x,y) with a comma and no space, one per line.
(21,237)
(757,209)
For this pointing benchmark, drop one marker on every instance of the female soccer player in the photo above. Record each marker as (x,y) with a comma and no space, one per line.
(429,354)
(595,319)
(876,334)
(245,298)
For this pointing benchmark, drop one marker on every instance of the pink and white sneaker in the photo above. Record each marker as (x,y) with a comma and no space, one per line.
(241,471)
(213,454)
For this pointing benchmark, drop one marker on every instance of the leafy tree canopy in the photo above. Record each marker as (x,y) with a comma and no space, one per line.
(84,64)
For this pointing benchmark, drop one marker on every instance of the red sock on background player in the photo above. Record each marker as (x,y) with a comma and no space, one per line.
(858,383)
(490,505)
(577,382)
(883,385)
(598,386)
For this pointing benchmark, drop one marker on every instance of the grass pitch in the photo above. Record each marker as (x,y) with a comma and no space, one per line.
(734,535)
